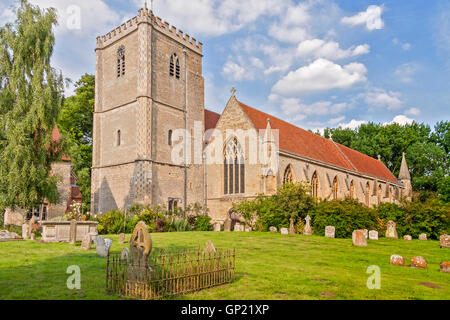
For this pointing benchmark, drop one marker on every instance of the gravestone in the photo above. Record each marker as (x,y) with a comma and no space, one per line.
(140,244)
(423,237)
(284,231)
(33,236)
(227,225)
(373,235)
(238,227)
(273,229)
(125,255)
(209,248)
(307,230)
(445,267)
(102,246)
(248,229)
(330,232)
(418,263)
(26,231)
(292,226)
(366,233)
(86,243)
(445,241)
(73,232)
(5,236)
(407,238)
(391,230)
(359,239)
(217,227)
(122,238)
(397,260)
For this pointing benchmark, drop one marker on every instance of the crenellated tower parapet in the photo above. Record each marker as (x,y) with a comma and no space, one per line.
(147,16)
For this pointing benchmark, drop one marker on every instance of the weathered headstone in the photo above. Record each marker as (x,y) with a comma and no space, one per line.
(227,225)
(26,231)
(445,241)
(73,232)
(238,227)
(397,260)
(217,227)
(209,248)
(33,236)
(359,239)
(307,230)
(273,229)
(248,229)
(284,231)
(140,244)
(445,267)
(122,238)
(423,236)
(418,263)
(102,246)
(86,243)
(391,231)
(407,238)
(330,232)
(292,226)
(125,255)
(9,236)
(373,235)
(365,232)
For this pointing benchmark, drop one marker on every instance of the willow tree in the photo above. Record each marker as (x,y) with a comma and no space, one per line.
(30,99)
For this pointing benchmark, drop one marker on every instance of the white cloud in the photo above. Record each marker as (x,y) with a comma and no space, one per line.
(7,15)
(336,120)
(380,98)
(405,72)
(413,112)
(321,75)
(318,48)
(371,18)
(353,124)
(235,72)
(404,45)
(401,120)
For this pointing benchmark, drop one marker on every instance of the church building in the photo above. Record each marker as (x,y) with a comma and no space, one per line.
(150,85)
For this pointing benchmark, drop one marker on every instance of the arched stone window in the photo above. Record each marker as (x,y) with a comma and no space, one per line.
(121,61)
(335,188)
(368,194)
(174,67)
(352,190)
(119,138)
(288,175)
(234,168)
(379,193)
(315,185)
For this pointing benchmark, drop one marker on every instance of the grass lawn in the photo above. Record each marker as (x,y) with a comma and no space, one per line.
(268,266)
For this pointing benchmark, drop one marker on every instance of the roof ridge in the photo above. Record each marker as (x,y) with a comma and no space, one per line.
(345,156)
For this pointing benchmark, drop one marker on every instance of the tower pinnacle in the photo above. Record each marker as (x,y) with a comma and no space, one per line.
(404,171)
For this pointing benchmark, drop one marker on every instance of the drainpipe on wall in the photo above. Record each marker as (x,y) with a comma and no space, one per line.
(185,130)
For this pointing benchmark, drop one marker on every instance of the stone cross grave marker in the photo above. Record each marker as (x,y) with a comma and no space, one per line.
(307,230)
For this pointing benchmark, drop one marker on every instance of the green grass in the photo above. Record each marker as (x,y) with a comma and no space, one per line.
(268,266)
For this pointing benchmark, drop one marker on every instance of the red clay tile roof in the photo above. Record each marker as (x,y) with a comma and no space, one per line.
(211,119)
(56,136)
(299,141)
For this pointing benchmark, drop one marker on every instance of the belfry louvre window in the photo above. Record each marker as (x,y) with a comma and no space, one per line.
(234,168)
(120,61)
(174,67)
(315,185)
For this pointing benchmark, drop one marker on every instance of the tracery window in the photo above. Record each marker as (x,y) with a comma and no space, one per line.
(368,194)
(174,67)
(288,175)
(315,185)
(120,61)
(234,168)
(352,190)
(335,188)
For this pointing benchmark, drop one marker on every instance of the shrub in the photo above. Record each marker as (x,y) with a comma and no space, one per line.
(345,215)
(203,223)
(111,222)
(180,225)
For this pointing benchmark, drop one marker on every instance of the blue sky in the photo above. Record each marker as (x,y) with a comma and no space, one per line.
(317,63)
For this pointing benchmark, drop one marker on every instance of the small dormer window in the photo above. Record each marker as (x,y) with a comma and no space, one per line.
(174,66)
(121,61)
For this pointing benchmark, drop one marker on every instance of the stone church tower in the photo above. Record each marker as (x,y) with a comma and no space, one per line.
(149,84)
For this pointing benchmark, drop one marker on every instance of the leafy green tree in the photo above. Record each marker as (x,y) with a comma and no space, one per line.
(30,100)
(75,122)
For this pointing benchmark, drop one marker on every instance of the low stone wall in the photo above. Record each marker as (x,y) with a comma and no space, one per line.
(59,231)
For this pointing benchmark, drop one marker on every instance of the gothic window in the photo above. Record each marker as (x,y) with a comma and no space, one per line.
(170,137)
(315,185)
(335,188)
(234,168)
(352,190)
(379,194)
(288,175)
(174,67)
(368,194)
(119,138)
(173,204)
(120,61)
